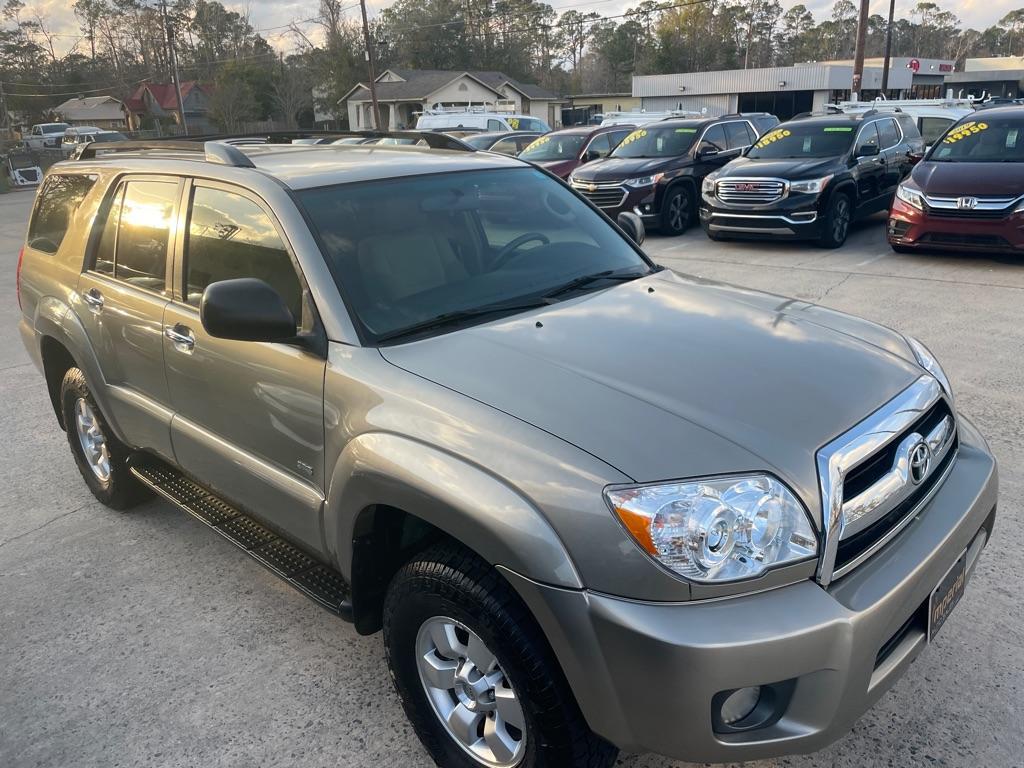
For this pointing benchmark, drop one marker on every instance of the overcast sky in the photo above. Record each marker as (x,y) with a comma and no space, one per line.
(269,16)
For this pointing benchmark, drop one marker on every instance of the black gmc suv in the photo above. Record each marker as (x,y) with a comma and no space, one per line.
(811,177)
(656,171)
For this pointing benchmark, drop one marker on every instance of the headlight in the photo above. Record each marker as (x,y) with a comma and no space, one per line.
(927,361)
(708,185)
(810,186)
(718,529)
(644,181)
(910,196)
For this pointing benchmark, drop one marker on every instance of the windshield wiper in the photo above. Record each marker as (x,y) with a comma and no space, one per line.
(459,315)
(584,280)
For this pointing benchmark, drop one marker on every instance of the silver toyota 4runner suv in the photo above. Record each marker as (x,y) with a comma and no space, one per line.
(594,504)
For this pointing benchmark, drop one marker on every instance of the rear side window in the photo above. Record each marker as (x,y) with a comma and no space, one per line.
(59,199)
(932,128)
(229,236)
(889,133)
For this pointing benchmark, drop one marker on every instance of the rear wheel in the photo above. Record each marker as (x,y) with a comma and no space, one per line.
(837,221)
(101,458)
(676,211)
(475,674)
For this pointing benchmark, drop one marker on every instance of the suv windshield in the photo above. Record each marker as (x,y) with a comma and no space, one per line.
(414,251)
(663,141)
(811,139)
(565,147)
(982,141)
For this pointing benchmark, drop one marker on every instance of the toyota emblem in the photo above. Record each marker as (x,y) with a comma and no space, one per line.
(920,461)
(967,203)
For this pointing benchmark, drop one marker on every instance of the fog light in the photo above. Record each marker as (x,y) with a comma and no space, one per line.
(739,704)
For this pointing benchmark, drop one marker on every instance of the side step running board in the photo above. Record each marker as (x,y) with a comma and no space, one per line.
(317,581)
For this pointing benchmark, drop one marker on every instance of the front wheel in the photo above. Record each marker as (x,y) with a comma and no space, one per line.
(676,211)
(475,674)
(838,216)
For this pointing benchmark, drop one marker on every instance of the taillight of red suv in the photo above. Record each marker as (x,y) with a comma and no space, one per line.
(17,275)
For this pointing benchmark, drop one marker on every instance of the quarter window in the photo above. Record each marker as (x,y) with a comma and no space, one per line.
(143,232)
(229,236)
(59,199)
(889,133)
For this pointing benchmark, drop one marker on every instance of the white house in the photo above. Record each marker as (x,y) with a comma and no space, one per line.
(100,111)
(402,93)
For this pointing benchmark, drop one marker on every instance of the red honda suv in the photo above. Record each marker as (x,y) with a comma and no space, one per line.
(968,191)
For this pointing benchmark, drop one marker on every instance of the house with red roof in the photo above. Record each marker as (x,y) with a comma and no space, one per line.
(155,104)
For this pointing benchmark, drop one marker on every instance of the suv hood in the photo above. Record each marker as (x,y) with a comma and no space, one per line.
(783,169)
(617,168)
(561,168)
(956,179)
(693,378)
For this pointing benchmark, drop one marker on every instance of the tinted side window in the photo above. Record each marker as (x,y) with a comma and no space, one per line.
(932,128)
(737,135)
(868,137)
(230,236)
(599,146)
(105,252)
(147,213)
(714,138)
(889,133)
(59,199)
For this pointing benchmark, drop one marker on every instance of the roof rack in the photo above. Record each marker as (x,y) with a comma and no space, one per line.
(223,148)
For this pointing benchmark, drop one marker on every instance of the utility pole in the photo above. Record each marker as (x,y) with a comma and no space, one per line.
(372,66)
(888,50)
(4,128)
(169,34)
(858,51)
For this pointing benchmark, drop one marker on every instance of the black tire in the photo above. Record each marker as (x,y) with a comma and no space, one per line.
(676,211)
(120,489)
(449,581)
(838,217)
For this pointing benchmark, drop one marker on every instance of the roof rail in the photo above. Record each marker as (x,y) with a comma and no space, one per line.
(213,152)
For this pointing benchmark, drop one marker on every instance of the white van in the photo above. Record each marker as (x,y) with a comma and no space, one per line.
(453,119)
(933,116)
(642,117)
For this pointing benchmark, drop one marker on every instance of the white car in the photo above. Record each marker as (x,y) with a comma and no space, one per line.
(933,116)
(45,135)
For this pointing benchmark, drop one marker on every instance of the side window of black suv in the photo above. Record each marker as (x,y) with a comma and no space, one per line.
(888,133)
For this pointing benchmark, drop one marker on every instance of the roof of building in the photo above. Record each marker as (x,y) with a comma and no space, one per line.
(91,108)
(419,84)
(163,94)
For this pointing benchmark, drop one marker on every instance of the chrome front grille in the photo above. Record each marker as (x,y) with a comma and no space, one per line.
(602,194)
(875,477)
(968,207)
(750,191)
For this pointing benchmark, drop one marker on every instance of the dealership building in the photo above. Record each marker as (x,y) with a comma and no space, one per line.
(786,91)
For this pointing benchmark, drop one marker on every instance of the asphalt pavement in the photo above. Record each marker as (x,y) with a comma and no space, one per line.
(144,639)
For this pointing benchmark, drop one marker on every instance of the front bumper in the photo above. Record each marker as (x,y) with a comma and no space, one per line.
(613,198)
(645,674)
(792,218)
(912,228)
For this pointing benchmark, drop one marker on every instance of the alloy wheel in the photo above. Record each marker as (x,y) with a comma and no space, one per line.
(470,693)
(677,213)
(92,440)
(841,219)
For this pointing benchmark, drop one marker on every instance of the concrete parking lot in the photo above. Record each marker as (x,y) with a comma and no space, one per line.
(144,639)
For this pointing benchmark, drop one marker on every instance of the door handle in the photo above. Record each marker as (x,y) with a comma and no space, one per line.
(181,337)
(94,299)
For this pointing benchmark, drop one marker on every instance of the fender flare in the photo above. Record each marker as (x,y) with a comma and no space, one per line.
(55,320)
(463,500)
(847,186)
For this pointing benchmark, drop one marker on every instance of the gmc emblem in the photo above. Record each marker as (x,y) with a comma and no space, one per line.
(746,186)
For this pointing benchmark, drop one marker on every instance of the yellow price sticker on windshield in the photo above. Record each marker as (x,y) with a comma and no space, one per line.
(639,133)
(513,123)
(772,136)
(537,142)
(964,130)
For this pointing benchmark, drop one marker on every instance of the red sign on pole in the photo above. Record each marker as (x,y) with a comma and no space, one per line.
(914,64)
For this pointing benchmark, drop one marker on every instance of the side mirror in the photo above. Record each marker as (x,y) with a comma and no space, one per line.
(868,150)
(705,152)
(592,154)
(245,309)
(632,225)
(915,157)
